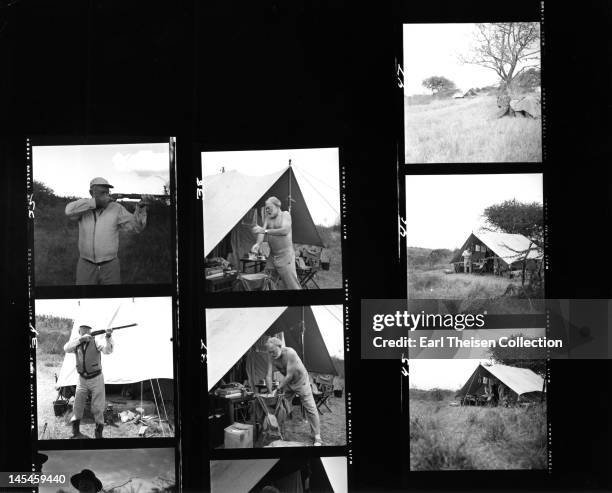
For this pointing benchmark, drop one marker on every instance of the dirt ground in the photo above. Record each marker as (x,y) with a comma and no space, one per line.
(297,429)
(51,427)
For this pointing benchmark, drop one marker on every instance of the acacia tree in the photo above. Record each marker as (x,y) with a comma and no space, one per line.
(507,48)
(512,216)
(523,357)
(438,85)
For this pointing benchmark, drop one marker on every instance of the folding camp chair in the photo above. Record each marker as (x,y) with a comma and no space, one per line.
(322,394)
(305,273)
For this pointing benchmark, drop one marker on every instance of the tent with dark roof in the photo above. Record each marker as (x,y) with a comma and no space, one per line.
(237,335)
(510,250)
(520,384)
(290,475)
(233,203)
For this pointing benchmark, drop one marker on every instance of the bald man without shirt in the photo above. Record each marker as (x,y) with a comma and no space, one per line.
(295,381)
(277,228)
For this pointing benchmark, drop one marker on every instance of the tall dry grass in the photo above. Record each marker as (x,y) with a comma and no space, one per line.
(468,130)
(443,437)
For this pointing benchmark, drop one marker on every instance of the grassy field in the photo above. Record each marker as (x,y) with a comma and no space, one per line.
(145,258)
(443,437)
(468,130)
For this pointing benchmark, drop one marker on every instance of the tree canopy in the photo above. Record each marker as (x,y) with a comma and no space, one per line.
(439,85)
(520,357)
(507,48)
(512,216)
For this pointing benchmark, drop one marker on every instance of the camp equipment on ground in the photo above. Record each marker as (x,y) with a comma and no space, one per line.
(238,435)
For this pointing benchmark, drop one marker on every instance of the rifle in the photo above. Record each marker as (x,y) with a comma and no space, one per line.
(138,196)
(102,331)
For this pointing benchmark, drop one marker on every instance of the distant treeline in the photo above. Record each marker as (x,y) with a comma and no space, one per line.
(434,395)
(53,333)
(430,258)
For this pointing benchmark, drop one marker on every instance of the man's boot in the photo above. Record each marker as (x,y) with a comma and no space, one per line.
(76,432)
(99,428)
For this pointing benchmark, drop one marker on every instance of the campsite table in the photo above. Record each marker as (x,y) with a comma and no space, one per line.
(221,283)
(256,265)
(230,403)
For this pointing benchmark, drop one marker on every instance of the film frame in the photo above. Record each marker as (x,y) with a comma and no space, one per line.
(168,290)
(288,298)
(477,12)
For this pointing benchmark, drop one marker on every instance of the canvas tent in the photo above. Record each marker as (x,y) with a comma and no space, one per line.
(325,474)
(523,383)
(140,353)
(233,204)
(507,248)
(233,333)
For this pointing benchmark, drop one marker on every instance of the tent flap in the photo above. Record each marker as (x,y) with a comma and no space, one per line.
(238,476)
(519,380)
(140,353)
(229,196)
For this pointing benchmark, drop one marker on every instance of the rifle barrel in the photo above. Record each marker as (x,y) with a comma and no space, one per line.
(135,196)
(98,332)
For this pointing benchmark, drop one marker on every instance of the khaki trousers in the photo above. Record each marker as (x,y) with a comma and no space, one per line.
(95,386)
(88,273)
(310,408)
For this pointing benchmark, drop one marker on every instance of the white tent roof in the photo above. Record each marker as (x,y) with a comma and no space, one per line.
(230,332)
(227,198)
(521,380)
(336,470)
(506,245)
(238,476)
(140,353)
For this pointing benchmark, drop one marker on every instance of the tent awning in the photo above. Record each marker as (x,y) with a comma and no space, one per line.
(505,245)
(230,332)
(238,476)
(140,353)
(336,470)
(520,380)
(229,196)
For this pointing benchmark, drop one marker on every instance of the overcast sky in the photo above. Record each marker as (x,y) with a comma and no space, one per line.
(448,374)
(442,210)
(434,49)
(316,170)
(130,168)
(113,467)
(99,312)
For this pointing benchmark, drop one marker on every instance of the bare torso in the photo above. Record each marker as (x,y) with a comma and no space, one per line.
(278,243)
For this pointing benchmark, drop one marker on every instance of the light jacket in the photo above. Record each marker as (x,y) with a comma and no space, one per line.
(99,228)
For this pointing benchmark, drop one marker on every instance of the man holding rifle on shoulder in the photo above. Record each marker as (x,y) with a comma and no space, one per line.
(88,353)
(100,220)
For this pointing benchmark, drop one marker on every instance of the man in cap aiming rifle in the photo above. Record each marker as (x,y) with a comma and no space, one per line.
(100,219)
(88,352)
(277,227)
